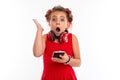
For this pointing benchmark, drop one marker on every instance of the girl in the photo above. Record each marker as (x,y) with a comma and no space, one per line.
(59,48)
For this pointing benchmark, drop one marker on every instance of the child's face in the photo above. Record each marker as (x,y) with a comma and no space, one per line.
(58,19)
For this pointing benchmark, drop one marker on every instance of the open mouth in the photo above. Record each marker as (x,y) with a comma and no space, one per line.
(58,29)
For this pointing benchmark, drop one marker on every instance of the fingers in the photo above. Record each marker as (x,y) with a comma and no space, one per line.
(36,22)
(63,59)
(57,60)
(65,56)
(39,27)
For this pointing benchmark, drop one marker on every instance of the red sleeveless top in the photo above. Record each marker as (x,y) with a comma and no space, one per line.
(54,70)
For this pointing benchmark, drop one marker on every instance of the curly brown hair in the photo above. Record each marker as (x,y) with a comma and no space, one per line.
(67,11)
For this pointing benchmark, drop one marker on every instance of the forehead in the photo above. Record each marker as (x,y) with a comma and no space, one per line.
(58,14)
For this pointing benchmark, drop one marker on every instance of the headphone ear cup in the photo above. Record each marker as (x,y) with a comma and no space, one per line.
(51,36)
(64,37)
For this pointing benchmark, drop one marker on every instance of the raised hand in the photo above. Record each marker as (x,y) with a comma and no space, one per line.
(39,27)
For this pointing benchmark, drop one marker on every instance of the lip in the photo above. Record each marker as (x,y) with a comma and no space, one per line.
(57,31)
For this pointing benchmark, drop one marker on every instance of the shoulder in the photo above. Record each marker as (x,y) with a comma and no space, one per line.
(74,37)
(44,35)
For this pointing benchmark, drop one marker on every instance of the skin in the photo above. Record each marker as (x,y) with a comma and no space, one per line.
(57,19)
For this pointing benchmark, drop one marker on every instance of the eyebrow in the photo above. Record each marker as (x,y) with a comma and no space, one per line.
(60,16)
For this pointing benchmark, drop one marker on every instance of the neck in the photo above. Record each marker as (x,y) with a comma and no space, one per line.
(57,37)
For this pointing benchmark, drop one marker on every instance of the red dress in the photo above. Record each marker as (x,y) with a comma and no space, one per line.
(57,71)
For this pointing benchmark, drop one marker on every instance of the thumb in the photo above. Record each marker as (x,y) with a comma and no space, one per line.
(61,56)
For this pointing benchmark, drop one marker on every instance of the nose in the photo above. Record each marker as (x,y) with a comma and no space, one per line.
(58,22)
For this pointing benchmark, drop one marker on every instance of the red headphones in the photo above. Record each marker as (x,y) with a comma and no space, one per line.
(62,38)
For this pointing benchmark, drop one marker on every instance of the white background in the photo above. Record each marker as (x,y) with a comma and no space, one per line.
(96,24)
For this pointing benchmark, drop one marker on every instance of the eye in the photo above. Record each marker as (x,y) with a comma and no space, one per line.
(62,20)
(53,19)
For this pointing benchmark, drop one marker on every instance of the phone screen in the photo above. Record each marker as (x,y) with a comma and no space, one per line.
(57,54)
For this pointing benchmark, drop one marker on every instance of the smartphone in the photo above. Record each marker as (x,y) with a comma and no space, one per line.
(56,54)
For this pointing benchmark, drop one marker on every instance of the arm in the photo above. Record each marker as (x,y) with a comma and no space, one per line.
(39,43)
(75,61)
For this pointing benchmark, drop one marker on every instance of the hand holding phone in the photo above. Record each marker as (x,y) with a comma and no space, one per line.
(56,54)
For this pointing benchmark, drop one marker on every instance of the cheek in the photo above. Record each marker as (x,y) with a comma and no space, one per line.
(50,23)
(66,25)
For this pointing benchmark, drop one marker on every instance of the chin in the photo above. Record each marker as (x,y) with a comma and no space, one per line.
(57,33)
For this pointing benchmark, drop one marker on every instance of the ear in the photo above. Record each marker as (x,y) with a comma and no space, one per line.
(68,24)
